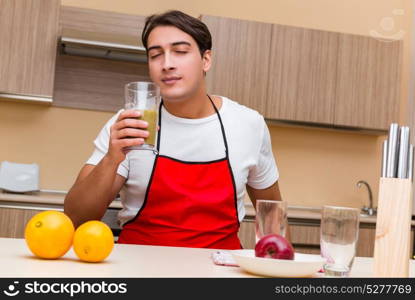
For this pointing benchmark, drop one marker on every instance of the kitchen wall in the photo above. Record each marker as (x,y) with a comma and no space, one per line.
(317,166)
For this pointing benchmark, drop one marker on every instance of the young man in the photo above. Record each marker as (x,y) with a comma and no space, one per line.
(191,193)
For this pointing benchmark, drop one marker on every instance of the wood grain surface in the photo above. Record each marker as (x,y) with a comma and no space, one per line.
(240,60)
(393,228)
(29,37)
(302,76)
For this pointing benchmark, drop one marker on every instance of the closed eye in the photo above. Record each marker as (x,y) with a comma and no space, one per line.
(154,56)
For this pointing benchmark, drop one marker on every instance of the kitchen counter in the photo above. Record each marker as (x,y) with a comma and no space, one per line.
(133,261)
(41,198)
(57,199)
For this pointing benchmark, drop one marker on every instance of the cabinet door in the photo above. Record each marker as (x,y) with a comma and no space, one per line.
(366,242)
(13,221)
(302,75)
(305,238)
(368,82)
(28,33)
(97,83)
(240,60)
(247,233)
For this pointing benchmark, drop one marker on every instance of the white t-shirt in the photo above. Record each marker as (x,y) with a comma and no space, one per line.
(249,143)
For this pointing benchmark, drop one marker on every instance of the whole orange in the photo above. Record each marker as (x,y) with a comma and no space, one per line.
(49,234)
(93,241)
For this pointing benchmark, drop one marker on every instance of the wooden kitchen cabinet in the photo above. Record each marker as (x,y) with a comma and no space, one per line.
(247,233)
(333,78)
(13,221)
(29,35)
(302,76)
(305,238)
(240,60)
(367,82)
(96,83)
(305,75)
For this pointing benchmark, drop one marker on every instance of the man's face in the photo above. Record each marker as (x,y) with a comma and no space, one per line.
(175,63)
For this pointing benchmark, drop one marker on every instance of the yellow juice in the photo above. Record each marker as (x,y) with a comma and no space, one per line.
(150,116)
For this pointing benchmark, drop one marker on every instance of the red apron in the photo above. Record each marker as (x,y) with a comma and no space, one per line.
(187,204)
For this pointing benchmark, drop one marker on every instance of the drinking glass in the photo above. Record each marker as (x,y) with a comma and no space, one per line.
(145,97)
(270,218)
(339,232)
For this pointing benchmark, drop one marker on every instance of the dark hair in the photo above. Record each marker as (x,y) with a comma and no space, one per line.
(192,26)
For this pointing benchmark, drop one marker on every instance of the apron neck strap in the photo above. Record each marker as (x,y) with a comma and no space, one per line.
(221,126)
(220,121)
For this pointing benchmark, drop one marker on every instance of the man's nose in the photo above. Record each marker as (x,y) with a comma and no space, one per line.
(168,63)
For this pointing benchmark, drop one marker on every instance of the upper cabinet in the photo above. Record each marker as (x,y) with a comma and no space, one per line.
(29,37)
(286,73)
(100,54)
(240,60)
(368,82)
(302,75)
(305,75)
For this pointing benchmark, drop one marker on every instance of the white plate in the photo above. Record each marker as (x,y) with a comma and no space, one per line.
(15,177)
(303,265)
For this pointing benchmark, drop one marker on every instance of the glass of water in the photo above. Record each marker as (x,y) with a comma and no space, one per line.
(339,232)
(270,218)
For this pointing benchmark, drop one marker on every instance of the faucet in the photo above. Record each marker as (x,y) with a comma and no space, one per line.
(367,210)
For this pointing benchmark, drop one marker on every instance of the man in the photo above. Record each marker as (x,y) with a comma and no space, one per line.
(191,192)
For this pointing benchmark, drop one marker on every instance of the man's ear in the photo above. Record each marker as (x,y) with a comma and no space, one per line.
(207,60)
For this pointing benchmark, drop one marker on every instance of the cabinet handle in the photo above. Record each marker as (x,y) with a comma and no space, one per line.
(31,98)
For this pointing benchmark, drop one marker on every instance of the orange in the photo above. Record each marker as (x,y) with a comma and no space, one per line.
(49,234)
(93,241)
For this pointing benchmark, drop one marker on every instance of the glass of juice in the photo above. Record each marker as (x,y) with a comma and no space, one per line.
(145,97)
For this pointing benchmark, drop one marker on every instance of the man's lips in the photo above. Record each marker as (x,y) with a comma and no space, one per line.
(170,80)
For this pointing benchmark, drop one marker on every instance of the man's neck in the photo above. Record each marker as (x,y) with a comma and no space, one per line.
(195,107)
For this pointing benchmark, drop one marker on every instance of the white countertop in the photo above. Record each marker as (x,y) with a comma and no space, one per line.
(133,261)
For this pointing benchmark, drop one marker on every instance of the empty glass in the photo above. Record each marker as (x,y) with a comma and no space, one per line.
(338,238)
(145,97)
(270,218)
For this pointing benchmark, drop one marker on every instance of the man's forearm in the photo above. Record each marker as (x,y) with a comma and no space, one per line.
(90,196)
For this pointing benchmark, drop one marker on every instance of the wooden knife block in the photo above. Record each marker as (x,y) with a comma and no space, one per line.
(393,228)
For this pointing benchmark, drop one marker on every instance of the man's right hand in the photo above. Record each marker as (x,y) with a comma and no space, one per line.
(127,131)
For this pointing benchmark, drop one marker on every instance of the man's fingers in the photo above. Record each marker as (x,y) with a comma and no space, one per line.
(131,132)
(122,143)
(129,113)
(132,142)
(129,123)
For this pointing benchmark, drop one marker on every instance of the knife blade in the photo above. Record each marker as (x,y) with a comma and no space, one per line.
(403,152)
(411,162)
(393,141)
(384,157)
